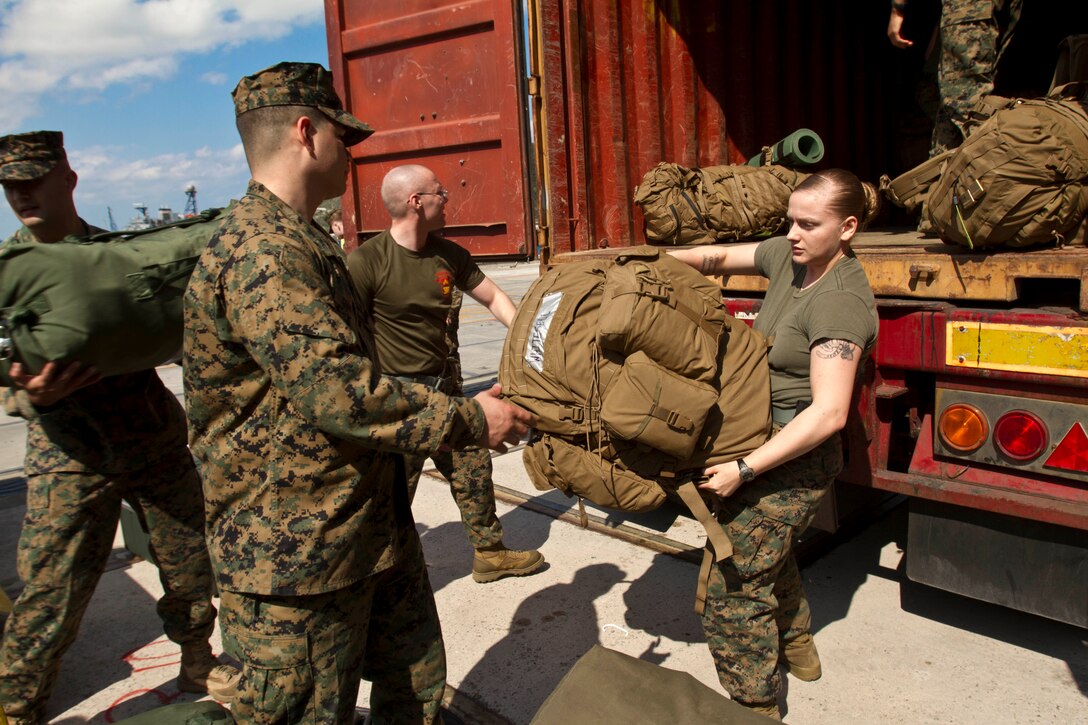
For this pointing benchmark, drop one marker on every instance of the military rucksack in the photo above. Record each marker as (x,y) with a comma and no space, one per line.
(714,203)
(1019,179)
(112,300)
(639,379)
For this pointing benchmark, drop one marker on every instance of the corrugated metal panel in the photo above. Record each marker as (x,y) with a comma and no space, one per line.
(627,85)
(440,84)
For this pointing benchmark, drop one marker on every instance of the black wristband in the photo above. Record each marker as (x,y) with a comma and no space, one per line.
(899,7)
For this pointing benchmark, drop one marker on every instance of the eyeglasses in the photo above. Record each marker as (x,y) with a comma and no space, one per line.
(443,193)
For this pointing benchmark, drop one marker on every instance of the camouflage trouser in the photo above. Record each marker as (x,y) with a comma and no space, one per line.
(469,474)
(67,536)
(754,599)
(973,37)
(302,657)
(965,75)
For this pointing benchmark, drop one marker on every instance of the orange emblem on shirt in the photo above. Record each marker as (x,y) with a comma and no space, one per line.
(445,281)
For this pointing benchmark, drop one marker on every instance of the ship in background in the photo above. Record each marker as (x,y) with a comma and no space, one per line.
(166,215)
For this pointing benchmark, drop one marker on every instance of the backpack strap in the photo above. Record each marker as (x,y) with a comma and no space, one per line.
(717,541)
(903,188)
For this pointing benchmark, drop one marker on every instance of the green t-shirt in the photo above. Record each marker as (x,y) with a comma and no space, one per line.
(410,295)
(839,306)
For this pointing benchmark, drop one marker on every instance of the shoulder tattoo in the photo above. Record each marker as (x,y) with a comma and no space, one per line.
(709,263)
(829,349)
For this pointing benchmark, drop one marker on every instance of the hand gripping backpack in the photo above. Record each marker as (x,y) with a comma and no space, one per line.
(112,300)
(639,379)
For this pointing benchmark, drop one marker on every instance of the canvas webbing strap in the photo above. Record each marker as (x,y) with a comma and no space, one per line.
(715,535)
(704,582)
(583,517)
(671,418)
(659,291)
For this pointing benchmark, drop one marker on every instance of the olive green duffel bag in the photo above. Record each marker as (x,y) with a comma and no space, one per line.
(606,686)
(204,712)
(113,300)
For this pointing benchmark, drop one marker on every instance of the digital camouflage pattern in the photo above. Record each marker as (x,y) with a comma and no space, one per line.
(121,438)
(298,437)
(298,84)
(469,473)
(309,651)
(295,430)
(754,599)
(28,156)
(66,538)
(974,34)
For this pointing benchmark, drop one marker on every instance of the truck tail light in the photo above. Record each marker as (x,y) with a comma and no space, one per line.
(1072,453)
(963,427)
(1020,435)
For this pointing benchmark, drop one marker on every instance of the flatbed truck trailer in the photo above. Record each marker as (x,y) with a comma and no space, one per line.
(542,116)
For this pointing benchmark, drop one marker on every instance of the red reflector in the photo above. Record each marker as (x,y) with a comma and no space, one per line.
(1072,453)
(1020,435)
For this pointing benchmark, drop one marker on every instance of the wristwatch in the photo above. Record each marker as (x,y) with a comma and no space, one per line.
(747,475)
(899,7)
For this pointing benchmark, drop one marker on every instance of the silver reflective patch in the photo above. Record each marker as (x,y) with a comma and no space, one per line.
(538,334)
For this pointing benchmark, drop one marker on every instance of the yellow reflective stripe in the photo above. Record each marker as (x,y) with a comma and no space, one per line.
(1018,348)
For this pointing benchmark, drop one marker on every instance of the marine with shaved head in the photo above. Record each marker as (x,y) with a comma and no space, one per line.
(411,279)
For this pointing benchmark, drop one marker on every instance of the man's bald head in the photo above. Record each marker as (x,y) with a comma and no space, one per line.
(400,183)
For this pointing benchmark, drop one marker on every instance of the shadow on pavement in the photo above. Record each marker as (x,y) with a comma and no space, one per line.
(549,632)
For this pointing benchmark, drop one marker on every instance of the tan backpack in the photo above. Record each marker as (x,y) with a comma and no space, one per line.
(639,379)
(1021,178)
(714,203)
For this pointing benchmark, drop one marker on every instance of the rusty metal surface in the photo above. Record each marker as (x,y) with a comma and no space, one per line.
(1015,494)
(440,83)
(627,85)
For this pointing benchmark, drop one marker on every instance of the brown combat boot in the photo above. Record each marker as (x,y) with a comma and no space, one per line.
(496,562)
(202,673)
(802,659)
(766,710)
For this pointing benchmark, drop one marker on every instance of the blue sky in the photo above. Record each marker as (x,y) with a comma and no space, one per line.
(141,90)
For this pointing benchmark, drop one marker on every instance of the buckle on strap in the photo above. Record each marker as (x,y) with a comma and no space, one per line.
(574,415)
(431,381)
(672,418)
(654,289)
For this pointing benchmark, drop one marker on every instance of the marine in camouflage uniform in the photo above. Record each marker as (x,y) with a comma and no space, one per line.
(123,437)
(298,437)
(413,280)
(974,34)
(821,314)
(755,602)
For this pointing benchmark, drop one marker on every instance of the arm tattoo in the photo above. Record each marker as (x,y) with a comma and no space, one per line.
(709,264)
(829,349)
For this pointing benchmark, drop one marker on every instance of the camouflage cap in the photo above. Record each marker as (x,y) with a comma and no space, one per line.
(298,84)
(26,156)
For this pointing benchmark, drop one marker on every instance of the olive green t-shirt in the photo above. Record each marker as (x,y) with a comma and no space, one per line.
(410,295)
(839,306)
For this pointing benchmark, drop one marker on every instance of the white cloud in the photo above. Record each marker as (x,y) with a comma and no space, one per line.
(114,177)
(214,78)
(54,46)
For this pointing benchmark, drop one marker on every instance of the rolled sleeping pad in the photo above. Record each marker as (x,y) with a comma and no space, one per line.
(803,147)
